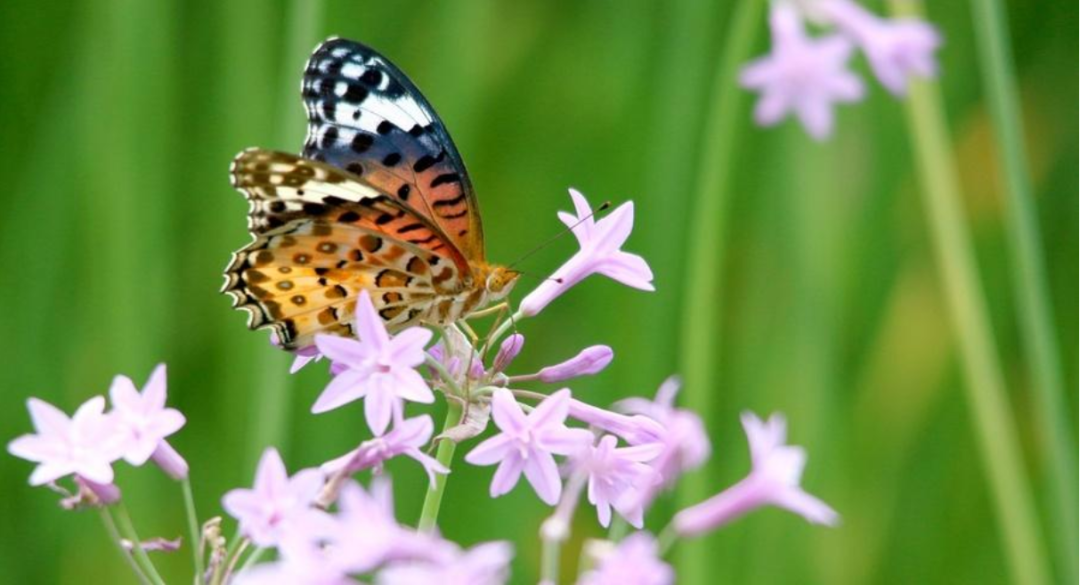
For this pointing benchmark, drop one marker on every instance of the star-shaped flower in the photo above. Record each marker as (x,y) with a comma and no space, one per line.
(527,442)
(618,476)
(802,75)
(86,444)
(276,502)
(773,480)
(406,438)
(143,417)
(379,368)
(600,242)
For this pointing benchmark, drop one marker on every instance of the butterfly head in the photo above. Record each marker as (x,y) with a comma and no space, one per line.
(499,281)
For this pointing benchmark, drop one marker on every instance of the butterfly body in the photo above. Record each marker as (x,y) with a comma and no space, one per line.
(378,201)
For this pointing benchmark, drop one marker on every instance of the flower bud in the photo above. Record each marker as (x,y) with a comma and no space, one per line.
(170,461)
(590,361)
(510,348)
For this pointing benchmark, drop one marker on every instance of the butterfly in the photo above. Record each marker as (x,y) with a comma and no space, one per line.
(379,200)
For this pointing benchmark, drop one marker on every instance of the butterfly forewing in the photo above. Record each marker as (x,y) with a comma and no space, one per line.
(365,116)
(322,236)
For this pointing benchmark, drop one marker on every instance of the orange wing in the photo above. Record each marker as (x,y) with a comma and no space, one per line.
(322,236)
(365,116)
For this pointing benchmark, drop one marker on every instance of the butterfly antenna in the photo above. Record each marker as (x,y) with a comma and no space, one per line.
(603,206)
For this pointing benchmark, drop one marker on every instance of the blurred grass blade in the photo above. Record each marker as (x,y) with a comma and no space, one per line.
(272,380)
(996,433)
(700,327)
(1029,275)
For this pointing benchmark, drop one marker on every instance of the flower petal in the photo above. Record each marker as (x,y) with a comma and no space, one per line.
(542,473)
(343,389)
(507,474)
(491,451)
(507,413)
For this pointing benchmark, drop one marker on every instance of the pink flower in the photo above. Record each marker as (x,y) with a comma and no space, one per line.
(484,564)
(276,503)
(636,430)
(86,444)
(897,49)
(801,75)
(301,560)
(600,242)
(379,368)
(685,443)
(406,438)
(634,562)
(527,442)
(364,534)
(591,360)
(304,356)
(617,477)
(508,350)
(774,480)
(143,418)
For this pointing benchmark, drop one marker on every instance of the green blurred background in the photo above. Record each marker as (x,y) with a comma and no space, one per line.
(118,120)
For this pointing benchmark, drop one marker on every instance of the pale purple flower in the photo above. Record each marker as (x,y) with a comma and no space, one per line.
(143,417)
(600,242)
(617,477)
(104,493)
(276,503)
(685,442)
(527,442)
(304,356)
(380,368)
(591,360)
(508,350)
(635,561)
(484,564)
(301,560)
(364,533)
(636,430)
(897,49)
(86,444)
(773,480)
(802,75)
(166,458)
(406,438)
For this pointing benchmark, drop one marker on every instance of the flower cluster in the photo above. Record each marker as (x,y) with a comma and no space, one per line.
(327,528)
(805,75)
(86,445)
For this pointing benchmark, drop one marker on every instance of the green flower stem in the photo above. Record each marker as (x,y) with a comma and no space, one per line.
(1029,276)
(114,535)
(667,539)
(995,430)
(251,560)
(700,330)
(429,514)
(127,529)
(193,528)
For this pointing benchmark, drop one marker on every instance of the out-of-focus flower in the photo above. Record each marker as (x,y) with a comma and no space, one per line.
(685,443)
(484,564)
(406,438)
(304,356)
(86,444)
(897,49)
(380,368)
(591,360)
(364,534)
(600,242)
(142,417)
(617,477)
(301,560)
(802,75)
(635,561)
(636,429)
(773,480)
(527,442)
(166,458)
(276,503)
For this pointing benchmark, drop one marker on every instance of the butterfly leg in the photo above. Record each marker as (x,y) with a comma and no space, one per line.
(493,309)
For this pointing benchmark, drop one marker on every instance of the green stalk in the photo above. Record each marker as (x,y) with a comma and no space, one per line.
(429,514)
(193,527)
(995,430)
(114,535)
(1029,275)
(127,529)
(700,331)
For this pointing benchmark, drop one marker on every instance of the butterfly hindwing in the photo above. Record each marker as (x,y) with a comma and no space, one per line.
(365,116)
(322,236)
